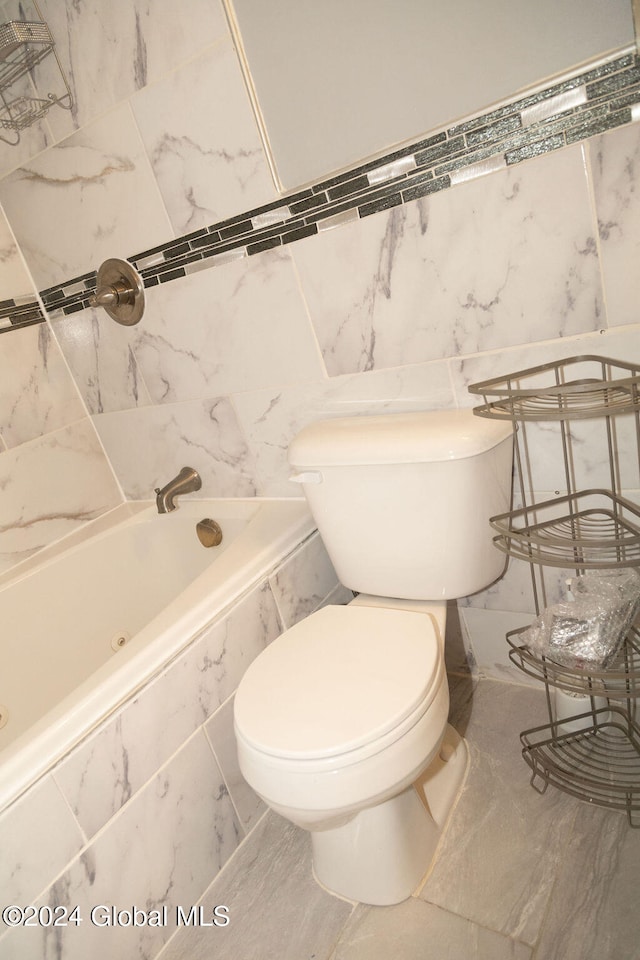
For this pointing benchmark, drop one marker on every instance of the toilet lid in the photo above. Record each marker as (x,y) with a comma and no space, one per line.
(338,680)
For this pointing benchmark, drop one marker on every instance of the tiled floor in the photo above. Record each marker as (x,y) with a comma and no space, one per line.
(518,875)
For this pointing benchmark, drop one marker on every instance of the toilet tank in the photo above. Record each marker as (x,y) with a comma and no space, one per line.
(403,501)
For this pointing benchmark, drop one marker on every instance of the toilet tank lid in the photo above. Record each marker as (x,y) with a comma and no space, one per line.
(422,437)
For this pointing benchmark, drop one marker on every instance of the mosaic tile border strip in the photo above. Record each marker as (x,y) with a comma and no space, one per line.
(605,96)
(22,312)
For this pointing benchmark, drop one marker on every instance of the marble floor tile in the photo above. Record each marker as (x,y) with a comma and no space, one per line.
(419,931)
(472,877)
(593,909)
(276,909)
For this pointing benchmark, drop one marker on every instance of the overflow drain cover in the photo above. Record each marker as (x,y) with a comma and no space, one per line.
(4,715)
(120,639)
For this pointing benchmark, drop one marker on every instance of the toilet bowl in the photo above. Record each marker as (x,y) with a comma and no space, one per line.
(367,726)
(341,723)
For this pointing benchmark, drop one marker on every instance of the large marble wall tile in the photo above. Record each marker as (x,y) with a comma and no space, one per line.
(302,583)
(615,168)
(106,771)
(101,361)
(219,730)
(458,652)
(494,262)
(203,142)
(15,282)
(33,140)
(149,445)
(50,487)
(218,661)
(111,51)
(590,467)
(514,590)
(164,849)
(38,837)
(276,908)
(271,418)
(232,328)
(38,396)
(486,631)
(90,198)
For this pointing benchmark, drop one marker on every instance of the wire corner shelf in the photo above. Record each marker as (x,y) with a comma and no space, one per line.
(594,755)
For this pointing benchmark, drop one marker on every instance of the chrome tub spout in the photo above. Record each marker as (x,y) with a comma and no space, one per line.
(187,481)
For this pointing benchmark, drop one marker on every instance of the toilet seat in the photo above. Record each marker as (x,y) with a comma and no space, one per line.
(339,686)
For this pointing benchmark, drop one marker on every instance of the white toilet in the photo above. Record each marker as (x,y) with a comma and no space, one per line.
(341,723)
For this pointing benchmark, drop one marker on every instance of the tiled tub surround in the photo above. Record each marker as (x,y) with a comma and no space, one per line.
(134,579)
(158,779)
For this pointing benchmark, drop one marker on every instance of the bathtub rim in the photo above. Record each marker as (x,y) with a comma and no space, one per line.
(89,529)
(38,750)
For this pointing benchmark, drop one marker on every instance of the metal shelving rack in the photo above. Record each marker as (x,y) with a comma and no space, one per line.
(594,756)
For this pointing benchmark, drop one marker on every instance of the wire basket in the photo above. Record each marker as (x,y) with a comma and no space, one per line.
(17,33)
(619,681)
(590,529)
(577,388)
(23,111)
(599,763)
(23,44)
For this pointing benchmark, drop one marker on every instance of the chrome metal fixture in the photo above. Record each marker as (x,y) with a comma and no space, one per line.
(187,481)
(120,290)
(209,532)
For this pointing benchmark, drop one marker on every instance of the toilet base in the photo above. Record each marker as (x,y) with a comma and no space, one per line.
(380,856)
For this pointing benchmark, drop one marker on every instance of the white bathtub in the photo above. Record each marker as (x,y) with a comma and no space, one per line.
(133,575)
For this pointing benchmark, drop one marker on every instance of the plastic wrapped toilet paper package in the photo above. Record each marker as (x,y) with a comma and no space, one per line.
(588,629)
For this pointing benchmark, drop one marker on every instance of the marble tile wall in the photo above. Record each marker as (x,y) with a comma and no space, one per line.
(397,307)
(149,807)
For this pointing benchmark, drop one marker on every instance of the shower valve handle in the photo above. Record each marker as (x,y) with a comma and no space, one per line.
(120,290)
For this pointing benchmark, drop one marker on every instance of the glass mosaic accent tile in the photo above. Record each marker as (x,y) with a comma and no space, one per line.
(23,312)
